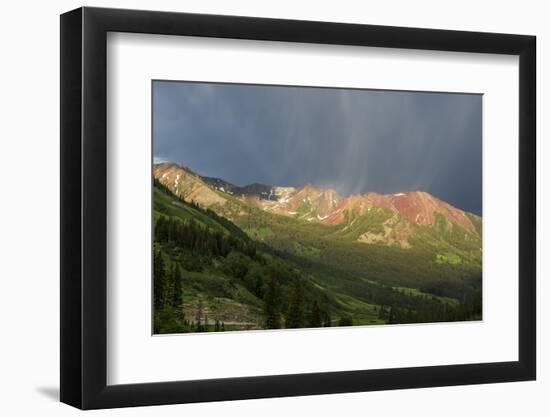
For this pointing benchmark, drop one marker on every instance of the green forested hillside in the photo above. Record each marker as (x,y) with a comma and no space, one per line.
(236,267)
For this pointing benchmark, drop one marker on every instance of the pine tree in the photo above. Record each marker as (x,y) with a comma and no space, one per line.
(295,313)
(271,310)
(199,316)
(177,290)
(258,286)
(327,322)
(392,318)
(158,280)
(315,315)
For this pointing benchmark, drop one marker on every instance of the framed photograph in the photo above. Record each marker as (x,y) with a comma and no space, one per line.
(258,208)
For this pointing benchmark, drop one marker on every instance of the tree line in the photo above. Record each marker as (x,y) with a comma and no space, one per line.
(191,235)
(469,309)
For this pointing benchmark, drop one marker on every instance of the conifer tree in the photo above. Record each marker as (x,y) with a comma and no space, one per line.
(295,313)
(199,316)
(271,310)
(392,317)
(158,280)
(327,322)
(177,290)
(315,315)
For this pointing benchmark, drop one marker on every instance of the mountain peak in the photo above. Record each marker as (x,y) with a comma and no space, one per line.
(165,165)
(186,184)
(422,208)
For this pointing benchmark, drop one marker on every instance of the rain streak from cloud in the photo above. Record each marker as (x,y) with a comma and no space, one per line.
(351,140)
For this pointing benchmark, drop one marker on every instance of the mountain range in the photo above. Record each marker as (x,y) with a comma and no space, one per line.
(325,206)
(368,258)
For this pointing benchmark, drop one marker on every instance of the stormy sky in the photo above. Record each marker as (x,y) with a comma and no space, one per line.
(351,140)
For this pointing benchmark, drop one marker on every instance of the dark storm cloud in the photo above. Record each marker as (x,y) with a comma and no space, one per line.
(351,140)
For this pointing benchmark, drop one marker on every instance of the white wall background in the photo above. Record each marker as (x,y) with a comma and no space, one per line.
(29,213)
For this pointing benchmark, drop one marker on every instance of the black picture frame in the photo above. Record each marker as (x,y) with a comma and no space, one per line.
(84,207)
